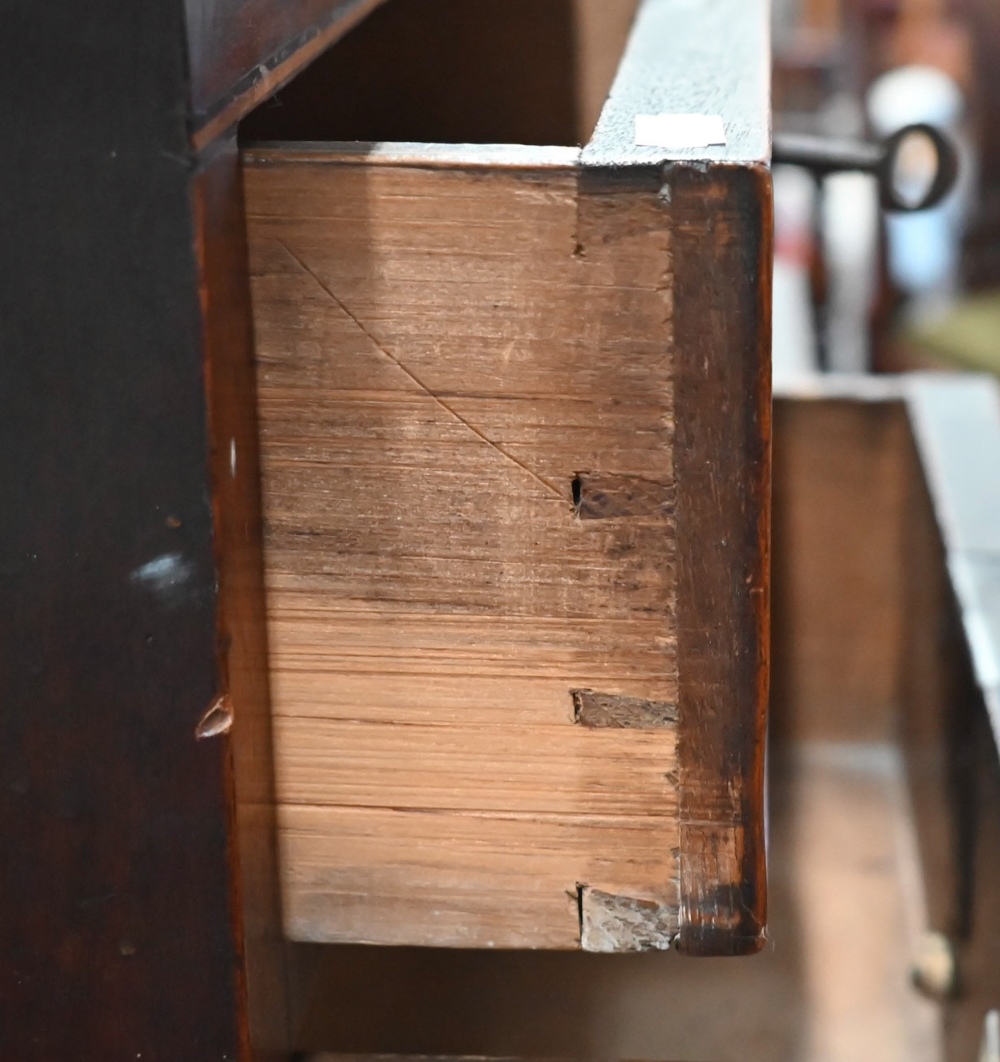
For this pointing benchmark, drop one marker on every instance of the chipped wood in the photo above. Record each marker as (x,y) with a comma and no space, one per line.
(625,923)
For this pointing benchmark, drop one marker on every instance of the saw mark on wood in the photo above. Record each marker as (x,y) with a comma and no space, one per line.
(549,487)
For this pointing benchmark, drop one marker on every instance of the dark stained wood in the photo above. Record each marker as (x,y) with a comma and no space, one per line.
(119,924)
(242,633)
(446,71)
(722,302)
(721,254)
(241,51)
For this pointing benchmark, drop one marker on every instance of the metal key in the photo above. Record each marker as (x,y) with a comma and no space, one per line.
(823,156)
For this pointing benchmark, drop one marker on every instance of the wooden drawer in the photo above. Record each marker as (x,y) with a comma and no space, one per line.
(514,406)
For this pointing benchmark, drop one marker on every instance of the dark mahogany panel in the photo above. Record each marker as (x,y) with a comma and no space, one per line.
(245,49)
(122,919)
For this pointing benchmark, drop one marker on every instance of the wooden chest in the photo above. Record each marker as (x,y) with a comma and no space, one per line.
(514,407)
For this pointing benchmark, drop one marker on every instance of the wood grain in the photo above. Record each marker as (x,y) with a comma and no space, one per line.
(842,841)
(441,353)
(516,430)
(472,880)
(722,328)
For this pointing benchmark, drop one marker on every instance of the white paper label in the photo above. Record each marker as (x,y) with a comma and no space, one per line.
(673,131)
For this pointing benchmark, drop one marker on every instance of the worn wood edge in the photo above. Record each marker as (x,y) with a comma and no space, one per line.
(677,55)
(241,616)
(268,76)
(723,593)
(421,156)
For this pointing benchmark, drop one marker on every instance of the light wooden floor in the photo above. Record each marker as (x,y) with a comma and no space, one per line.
(832,985)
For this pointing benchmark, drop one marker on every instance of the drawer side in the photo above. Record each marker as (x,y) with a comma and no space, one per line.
(466,390)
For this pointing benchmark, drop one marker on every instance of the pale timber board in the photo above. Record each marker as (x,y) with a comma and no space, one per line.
(556,770)
(426,686)
(468,880)
(441,351)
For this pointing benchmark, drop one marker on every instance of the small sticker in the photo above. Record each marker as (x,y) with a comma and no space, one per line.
(675,131)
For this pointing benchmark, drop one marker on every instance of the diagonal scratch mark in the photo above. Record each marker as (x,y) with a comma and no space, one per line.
(423,387)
